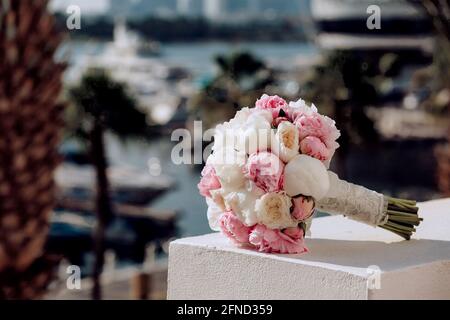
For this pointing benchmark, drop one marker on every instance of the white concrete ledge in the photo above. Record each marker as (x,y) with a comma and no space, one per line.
(341,250)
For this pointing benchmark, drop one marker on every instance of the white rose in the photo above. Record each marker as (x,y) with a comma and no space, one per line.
(256,132)
(306,176)
(213,213)
(286,141)
(228,164)
(243,203)
(273,210)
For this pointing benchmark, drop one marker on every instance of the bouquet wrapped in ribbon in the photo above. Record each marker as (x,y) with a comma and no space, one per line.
(268,173)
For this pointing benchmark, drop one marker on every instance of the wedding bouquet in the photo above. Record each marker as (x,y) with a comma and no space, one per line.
(268,173)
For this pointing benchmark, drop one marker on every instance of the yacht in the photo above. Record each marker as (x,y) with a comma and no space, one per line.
(157,87)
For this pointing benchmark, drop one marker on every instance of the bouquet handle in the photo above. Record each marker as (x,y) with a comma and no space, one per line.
(399,216)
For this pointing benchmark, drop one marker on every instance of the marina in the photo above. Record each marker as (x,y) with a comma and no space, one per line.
(105,129)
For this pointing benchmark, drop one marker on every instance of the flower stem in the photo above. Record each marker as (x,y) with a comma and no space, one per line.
(402,217)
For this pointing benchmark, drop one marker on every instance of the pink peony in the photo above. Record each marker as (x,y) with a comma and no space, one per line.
(276,241)
(209,181)
(272,103)
(266,170)
(294,232)
(303,208)
(233,228)
(278,120)
(314,147)
(321,127)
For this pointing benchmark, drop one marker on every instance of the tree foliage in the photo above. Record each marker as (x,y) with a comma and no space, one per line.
(99,98)
(241,79)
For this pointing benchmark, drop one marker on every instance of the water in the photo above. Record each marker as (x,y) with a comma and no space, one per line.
(183,197)
(199,57)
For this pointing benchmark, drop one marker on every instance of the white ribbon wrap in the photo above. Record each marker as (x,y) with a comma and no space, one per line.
(355,202)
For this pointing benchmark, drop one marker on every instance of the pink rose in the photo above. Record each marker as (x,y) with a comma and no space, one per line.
(303,208)
(209,181)
(266,170)
(314,147)
(321,127)
(272,103)
(233,228)
(276,241)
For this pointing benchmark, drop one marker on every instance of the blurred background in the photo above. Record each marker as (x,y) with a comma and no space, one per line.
(106,94)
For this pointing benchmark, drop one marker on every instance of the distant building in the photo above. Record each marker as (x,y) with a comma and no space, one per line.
(190,8)
(254,6)
(142,8)
(232,10)
(282,8)
(214,9)
(344,25)
(88,7)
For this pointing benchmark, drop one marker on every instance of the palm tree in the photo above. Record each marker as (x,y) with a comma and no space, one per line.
(342,86)
(439,13)
(103,104)
(30,126)
(242,78)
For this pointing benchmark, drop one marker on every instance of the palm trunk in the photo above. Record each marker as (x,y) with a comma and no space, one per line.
(31,119)
(103,205)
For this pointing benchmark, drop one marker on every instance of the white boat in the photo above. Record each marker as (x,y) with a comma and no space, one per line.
(128,185)
(150,81)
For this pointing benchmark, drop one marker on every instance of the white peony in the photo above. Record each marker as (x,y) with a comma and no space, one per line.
(266,114)
(273,210)
(217,197)
(256,132)
(248,131)
(228,164)
(306,176)
(300,107)
(243,203)
(226,137)
(226,134)
(213,213)
(286,141)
